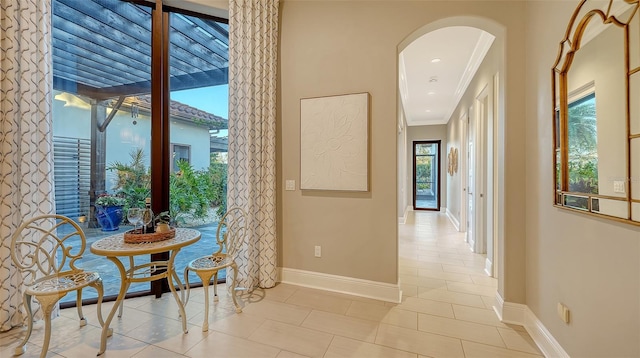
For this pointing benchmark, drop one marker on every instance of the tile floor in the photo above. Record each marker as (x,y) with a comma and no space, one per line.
(446,312)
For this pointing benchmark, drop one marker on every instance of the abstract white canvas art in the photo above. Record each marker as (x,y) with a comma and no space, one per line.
(334,142)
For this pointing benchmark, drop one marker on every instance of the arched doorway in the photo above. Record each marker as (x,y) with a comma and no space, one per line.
(474,136)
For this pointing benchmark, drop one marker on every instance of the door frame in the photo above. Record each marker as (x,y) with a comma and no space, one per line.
(438,172)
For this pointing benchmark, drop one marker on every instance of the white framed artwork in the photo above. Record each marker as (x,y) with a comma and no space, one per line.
(334,142)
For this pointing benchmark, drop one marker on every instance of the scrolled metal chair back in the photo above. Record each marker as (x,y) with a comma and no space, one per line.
(232,231)
(47,245)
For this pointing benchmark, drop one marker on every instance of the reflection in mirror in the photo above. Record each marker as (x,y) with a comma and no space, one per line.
(634,108)
(596,118)
(583,145)
(576,202)
(611,207)
(635,169)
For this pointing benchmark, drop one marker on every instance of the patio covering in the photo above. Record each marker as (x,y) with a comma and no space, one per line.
(102,49)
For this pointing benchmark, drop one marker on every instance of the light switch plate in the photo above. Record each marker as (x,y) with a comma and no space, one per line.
(618,186)
(290,185)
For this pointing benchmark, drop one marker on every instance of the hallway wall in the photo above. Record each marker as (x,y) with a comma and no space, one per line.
(358,53)
(589,264)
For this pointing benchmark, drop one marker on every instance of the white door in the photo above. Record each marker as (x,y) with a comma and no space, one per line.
(471,163)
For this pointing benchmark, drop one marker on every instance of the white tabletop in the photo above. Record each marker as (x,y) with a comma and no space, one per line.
(114,245)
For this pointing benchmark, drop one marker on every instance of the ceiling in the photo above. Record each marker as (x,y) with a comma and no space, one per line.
(431,89)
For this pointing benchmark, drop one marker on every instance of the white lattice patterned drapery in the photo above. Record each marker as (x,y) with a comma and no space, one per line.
(253,40)
(26,180)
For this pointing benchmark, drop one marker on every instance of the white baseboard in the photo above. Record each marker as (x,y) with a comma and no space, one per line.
(519,314)
(403,218)
(453,220)
(488,267)
(349,285)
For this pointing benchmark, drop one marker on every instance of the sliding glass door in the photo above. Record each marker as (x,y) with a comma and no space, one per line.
(126,124)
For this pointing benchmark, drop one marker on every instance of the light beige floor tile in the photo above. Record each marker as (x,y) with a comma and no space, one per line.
(472,288)
(168,334)
(10,340)
(427,306)
(423,281)
(384,314)
(156,352)
(440,260)
(240,325)
(216,313)
(469,331)
(482,316)
(484,280)
(292,338)
(224,346)
(475,264)
(86,343)
(281,292)
(449,276)
(489,301)
(408,271)
(420,264)
(347,348)
(444,295)
(408,290)
(477,350)
(323,302)
(287,354)
(463,269)
(278,311)
(341,325)
(423,343)
(33,351)
(62,329)
(519,341)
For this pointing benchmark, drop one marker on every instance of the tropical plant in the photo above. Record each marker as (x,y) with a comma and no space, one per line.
(583,146)
(191,192)
(110,200)
(133,179)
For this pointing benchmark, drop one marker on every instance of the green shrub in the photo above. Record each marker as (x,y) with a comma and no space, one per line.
(191,192)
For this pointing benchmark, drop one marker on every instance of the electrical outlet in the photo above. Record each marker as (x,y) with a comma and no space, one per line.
(290,185)
(318,251)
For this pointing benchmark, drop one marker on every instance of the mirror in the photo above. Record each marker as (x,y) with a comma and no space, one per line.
(596,117)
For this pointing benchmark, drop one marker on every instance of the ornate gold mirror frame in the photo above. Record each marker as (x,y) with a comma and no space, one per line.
(628,202)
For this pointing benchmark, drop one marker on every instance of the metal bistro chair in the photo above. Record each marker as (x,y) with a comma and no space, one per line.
(230,237)
(41,248)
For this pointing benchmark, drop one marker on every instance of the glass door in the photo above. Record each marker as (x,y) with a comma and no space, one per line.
(198,125)
(101,120)
(426,175)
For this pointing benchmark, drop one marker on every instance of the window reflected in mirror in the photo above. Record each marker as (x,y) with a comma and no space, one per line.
(583,145)
(596,112)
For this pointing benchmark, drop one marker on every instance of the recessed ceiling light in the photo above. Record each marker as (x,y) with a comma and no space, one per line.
(433,79)
(431,93)
(428,111)
(435,60)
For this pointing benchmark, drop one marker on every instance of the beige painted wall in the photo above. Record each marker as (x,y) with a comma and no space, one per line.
(358,232)
(420,133)
(591,265)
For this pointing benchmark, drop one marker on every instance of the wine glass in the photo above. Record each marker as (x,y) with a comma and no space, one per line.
(146,217)
(134,215)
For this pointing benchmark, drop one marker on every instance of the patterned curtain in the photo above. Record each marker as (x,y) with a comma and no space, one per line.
(253,40)
(26,170)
